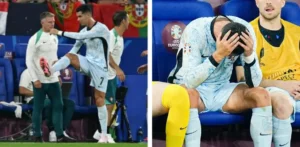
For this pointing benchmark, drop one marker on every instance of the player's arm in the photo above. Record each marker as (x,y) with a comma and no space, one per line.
(76,47)
(112,63)
(93,33)
(239,69)
(30,53)
(197,71)
(24,91)
(253,74)
(24,82)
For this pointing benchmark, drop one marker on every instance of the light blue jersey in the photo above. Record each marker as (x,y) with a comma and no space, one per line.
(95,63)
(195,69)
(95,53)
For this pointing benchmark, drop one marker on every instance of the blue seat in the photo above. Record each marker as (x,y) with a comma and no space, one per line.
(297,120)
(63,49)
(2,50)
(6,83)
(247,10)
(163,60)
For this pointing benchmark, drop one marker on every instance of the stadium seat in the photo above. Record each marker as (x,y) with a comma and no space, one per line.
(164,61)
(6,83)
(247,10)
(2,50)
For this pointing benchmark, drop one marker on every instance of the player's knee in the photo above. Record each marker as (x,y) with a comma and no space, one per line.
(70,55)
(175,95)
(194,98)
(282,105)
(258,97)
(58,106)
(99,101)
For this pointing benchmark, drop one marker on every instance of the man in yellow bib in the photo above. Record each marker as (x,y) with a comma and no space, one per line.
(278,44)
(177,101)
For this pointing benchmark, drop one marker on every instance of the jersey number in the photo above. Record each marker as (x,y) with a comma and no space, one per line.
(102,78)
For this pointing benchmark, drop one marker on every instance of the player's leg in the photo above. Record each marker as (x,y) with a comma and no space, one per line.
(102,114)
(62,63)
(38,104)
(193,134)
(99,81)
(110,101)
(283,114)
(175,100)
(68,110)
(55,95)
(48,116)
(110,96)
(257,99)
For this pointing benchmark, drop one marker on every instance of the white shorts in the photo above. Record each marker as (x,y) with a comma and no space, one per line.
(215,97)
(99,77)
(296,104)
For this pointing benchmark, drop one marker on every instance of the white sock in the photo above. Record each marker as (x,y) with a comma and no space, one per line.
(261,126)
(102,115)
(193,133)
(62,63)
(282,132)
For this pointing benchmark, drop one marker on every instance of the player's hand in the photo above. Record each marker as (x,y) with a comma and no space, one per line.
(142,69)
(225,46)
(144,53)
(120,74)
(293,87)
(54,31)
(37,84)
(248,46)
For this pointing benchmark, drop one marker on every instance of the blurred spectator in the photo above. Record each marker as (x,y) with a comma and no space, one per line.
(29,1)
(113,1)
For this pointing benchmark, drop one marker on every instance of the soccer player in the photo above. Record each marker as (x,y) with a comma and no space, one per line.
(175,100)
(205,60)
(42,45)
(95,65)
(279,59)
(116,47)
(26,89)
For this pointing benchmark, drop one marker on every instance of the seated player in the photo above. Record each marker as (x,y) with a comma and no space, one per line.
(208,48)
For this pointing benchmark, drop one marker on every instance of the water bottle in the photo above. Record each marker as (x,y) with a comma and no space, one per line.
(140,135)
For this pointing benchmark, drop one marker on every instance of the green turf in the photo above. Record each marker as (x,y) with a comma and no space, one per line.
(72,145)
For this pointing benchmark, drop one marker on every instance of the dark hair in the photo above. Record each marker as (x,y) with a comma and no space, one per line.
(118,17)
(46,14)
(85,8)
(235,28)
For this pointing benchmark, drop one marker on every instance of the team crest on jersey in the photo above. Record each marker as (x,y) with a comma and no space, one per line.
(137,15)
(187,48)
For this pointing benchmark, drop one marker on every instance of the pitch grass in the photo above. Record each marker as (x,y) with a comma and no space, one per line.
(72,145)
